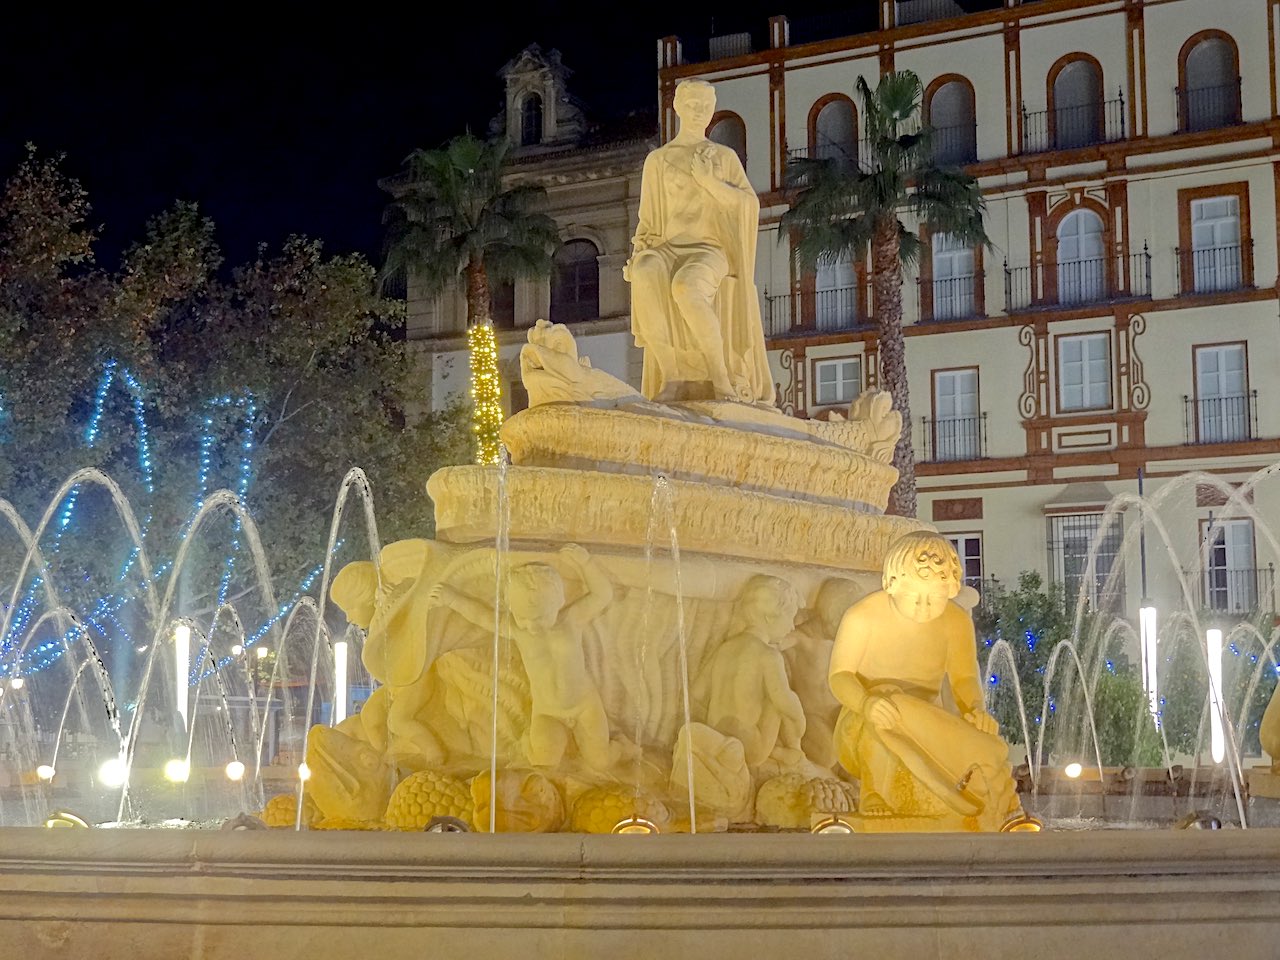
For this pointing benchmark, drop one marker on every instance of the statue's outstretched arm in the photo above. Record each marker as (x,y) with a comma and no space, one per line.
(479,614)
(599,588)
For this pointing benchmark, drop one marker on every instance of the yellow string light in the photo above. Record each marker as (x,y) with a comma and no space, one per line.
(486,391)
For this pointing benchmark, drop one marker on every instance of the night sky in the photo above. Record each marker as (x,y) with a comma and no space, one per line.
(279,124)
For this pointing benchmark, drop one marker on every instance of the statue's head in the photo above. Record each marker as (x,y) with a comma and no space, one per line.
(835,597)
(695,103)
(767,604)
(921,575)
(536,595)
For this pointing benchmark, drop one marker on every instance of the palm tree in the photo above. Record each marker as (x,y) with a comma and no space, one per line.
(839,210)
(455,217)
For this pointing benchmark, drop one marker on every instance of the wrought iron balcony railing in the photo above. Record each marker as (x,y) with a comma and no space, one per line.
(1221,419)
(1208,108)
(826,311)
(1241,590)
(1214,269)
(1077,282)
(1066,128)
(777,315)
(955,144)
(847,156)
(922,11)
(954,438)
(951,298)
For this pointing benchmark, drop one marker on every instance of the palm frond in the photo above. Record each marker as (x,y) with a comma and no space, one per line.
(456,210)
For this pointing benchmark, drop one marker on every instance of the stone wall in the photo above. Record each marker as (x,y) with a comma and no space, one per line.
(165,894)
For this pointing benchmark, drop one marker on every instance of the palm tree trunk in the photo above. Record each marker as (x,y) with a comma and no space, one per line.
(887,282)
(486,388)
(477,293)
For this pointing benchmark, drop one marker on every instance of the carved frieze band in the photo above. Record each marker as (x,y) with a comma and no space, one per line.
(958,508)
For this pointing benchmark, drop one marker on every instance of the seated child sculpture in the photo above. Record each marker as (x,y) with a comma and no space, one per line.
(808,661)
(549,635)
(745,685)
(893,653)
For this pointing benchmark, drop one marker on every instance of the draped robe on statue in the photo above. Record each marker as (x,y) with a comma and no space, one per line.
(728,246)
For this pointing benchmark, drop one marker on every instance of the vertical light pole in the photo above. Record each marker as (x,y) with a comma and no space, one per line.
(182,667)
(1217,733)
(340,695)
(1147,634)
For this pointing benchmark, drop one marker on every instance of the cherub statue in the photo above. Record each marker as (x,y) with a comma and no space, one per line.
(808,660)
(549,635)
(745,686)
(893,653)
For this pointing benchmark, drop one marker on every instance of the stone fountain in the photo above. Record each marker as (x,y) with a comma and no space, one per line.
(672,611)
(633,622)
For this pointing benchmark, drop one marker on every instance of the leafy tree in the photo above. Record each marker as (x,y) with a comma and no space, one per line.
(1184,679)
(274,379)
(839,211)
(1034,619)
(456,216)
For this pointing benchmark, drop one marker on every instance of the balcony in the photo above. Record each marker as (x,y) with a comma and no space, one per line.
(1239,590)
(953,298)
(949,439)
(1067,128)
(923,11)
(1221,419)
(1215,269)
(844,156)
(820,311)
(1078,282)
(955,144)
(1208,108)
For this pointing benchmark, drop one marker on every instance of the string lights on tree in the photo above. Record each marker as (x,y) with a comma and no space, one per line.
(486,391)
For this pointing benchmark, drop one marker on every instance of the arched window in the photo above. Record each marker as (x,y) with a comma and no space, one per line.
(530,120)
(729,130)
(1209,82)
(950,109)
(833,130)
(575,292)
(1076,95)
(1081,258)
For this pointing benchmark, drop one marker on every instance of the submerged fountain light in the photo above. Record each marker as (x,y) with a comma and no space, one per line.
(45,772)
(236,650)
(304,772)
(833,824)
(1217,739)
(64,818)
(635,825)
(234,770)
(1072,770)
(447,824)
(114,772)
(1198,820)
(16,683)
(1022,823)
(177,770)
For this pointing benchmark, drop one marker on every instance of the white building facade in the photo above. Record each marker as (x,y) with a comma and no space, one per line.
(1125,320)
(592,179)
